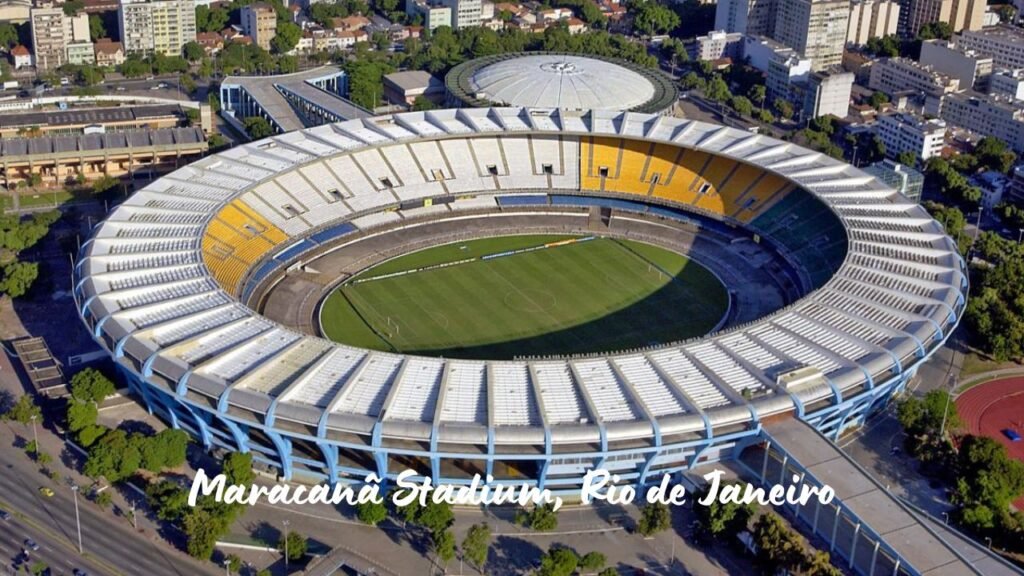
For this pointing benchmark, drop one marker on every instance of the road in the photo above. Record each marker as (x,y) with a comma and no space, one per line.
(109,543)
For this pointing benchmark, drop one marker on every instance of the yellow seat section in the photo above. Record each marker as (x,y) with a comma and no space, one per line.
(235,240)
(734,189)
(599,155)
(633,156)
(271,232)
(762,195)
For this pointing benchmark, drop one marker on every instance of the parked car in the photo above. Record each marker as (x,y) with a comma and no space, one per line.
(1012,435)
(30,544)
(45,491)
(5,515)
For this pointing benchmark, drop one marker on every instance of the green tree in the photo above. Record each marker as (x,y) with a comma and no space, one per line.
(654,517)
(201,528)
(234,564)
(651,18)
(476,545)
(237,467)
(91,385)
(193,51)
(105,183)
(693,82)
(742,105)
(593,561)
(24,410)
(784,108)
(540,518)
(907,158)
(717,90)
(210,19)
(257,127)
(286,38)
(935,30)
(96,28)
(443,544)
(421,104)
(371,513)
(103,500)
(609,571)
(820,564)
(73,7)
(993,154)
(296,545)
(169,500)
(165,450)
(39,568)
(115,456)
(758,93)
(81,415)
(43,458)
(558,562)
(723,521)
(8,35)
(18,278)
(885,46)
(778,547)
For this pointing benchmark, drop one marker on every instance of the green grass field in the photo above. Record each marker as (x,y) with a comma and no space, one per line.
(593,296)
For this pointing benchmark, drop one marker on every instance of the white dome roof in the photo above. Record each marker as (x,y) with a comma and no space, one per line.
(562,81)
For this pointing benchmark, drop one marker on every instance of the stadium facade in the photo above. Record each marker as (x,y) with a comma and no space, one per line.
(163,285)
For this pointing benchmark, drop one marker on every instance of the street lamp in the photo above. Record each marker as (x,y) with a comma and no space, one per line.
(78,521)
(952,386)
(35,437)
(1020,234)
(227,566)
(285,523)
(989,540)
(945,518)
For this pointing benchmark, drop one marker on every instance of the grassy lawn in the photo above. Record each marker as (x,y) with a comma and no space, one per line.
(591,296)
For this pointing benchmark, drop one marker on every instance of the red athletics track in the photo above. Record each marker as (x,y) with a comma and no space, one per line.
(990,408)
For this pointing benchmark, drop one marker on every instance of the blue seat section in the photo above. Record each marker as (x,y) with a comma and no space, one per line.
(603,202)
(262,272)
(333,232)
(522,199)
(294,250)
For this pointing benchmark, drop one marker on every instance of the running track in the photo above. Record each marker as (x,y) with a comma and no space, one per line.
(990,408)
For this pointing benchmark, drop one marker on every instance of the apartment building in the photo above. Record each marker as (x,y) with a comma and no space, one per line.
(959,14)
(161,26)
(970,67)
(997,116)
(814,28)
(259,22)
(433,14)
(465,13)
(827,92)
(1007,83)
(872,19)
(52,32)
(755,17)
(1005,44)
(717,44)
(782,65)
(899,75)
(902,132)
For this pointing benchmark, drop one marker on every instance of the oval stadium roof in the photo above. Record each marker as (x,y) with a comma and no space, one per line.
(567,81)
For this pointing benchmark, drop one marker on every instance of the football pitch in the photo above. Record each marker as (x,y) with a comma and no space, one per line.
(579,295)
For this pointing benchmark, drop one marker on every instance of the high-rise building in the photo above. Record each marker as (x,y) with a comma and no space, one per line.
(814,28)
(1005,44)
(53,31)
(827,93)
(433,14)
(465,13)
(755,17)
(872,19)
(259,22)
(717,44)
(959,14)
(161,26)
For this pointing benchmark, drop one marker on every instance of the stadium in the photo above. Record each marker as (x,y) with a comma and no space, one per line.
(211,290)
